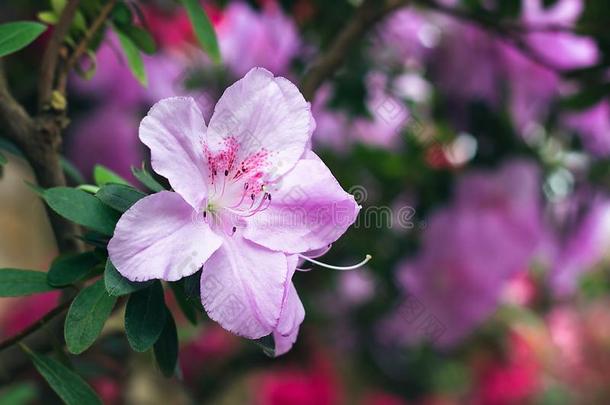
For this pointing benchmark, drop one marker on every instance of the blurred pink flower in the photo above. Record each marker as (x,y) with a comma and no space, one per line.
(106,136)
(212,344)
(389,114)
(514,380)
(584,247)
(469,252)
(312,384)
(593,126)
(248,38)
(28,310)
(533,85)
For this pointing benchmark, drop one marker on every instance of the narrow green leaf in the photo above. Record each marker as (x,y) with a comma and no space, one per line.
(183,301)
(166,347)
(204,31)
(66,270)
(73,173)
(145,317)
(16,282)
(3,159)
(117,285)
(119,196)
(17,35)
(134,59)
(87,316)
(102,175)
(139,36)
(147,179)
(70,387)
(82,208)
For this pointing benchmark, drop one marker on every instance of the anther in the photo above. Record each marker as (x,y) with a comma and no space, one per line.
(226,172)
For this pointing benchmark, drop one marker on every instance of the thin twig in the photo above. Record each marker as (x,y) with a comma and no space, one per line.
(81,48)
(50,57)
(35,326)
(366,16)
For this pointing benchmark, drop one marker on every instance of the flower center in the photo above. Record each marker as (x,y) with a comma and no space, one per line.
(237,188)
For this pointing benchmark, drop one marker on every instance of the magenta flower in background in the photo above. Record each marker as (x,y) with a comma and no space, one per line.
(106,136)
(249,199)
(584,247)
(248,38)
(469,252)
(389,114)
(534,85)
(593,126)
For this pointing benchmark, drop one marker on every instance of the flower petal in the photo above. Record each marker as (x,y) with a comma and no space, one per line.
(265,116)
(242,287)
(308,211)
(174,130)
(291,316)
(160,238)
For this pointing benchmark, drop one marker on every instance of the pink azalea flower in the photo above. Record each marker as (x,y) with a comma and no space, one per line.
(221,215)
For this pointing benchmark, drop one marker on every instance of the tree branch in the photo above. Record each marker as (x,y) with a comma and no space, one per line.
(35,326)
(366,16)
(81,48)
(50,58)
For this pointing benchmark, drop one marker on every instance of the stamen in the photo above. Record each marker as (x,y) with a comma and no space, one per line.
(329,266)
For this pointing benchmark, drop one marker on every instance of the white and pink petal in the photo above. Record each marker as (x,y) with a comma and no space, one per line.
(243,286)
(159,237)
(308,211)
(174,130)
(264,121)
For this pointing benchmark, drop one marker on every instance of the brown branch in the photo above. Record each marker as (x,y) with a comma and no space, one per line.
(50,57)
(366,16)
(39,139)
(35,326)
(81,48)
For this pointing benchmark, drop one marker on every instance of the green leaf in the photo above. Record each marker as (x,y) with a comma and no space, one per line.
(66,270)
(87,316)
(71,171)
(48,17)
(102,175)
(183,301)
(82,208)
(17,35)
(143,40)
(134,59)
(147,179)
(117,285)
(18,394)
(3,159)
(145,317)
(204,31)
(166,347)
(16,282)
(70,387)
(58,6)
(121,14)
(119,196)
